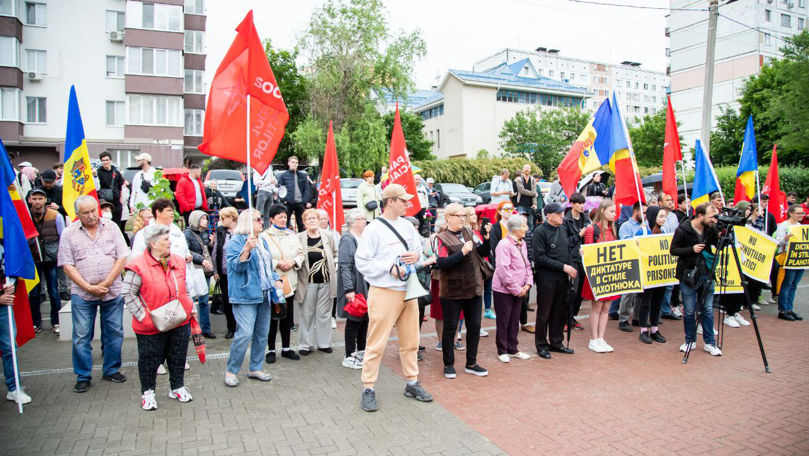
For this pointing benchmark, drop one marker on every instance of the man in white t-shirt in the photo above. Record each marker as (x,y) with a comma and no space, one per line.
(502,189)
(142,182)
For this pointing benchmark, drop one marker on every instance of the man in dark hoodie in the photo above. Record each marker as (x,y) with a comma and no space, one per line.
(576,221)
(553,271)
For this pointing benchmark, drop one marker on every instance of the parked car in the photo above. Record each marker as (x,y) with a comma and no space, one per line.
(456,193)
(348,187)
(484,191)
(229,181)
(544,187)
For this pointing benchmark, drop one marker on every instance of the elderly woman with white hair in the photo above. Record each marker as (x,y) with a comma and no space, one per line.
(196,236)
(350,283)
(153,280)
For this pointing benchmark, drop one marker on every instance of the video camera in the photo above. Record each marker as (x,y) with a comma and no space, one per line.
(731,216)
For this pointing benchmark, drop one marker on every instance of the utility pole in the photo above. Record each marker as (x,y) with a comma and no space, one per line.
(707,99)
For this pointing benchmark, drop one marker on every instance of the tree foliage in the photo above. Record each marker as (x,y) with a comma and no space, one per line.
(471,172)
(295,92)
(727,138)
(419,147)
(648,135)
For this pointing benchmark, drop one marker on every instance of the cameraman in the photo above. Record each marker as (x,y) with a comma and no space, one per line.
(692,245)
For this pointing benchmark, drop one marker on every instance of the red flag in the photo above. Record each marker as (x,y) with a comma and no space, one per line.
(21,209)
(22,315)
(671,154)
(772,187)
(329,194)
(244,72)
(399,169)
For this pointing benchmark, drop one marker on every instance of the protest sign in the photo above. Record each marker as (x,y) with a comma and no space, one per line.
(657,264)
(756,252)
(612,268)
(798,248)
(731,282)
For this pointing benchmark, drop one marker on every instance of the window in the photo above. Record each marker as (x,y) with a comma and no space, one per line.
(8,8)
(155,110)
(154,62)
(562,75)
(115,21)
(115,66)
(637,85)
(9,51)
(35,14)
(195,41)
(628,84)
(154,16)
(193,122)
(645,86)
(767,15)
(550,73)
(35,61)
(123,158)
(115,113)
(37,109)
(767,39)
(193,81)
(801,3)
(654,88)
(646,98)
(786,20)
(194,6)
(9,104)
(595,79)
(800,23)
(435,111)
(572,76)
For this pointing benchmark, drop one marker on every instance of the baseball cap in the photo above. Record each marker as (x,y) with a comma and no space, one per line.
(104,203)
(24,164)
(554,208)
(144,156)
(395,191)
(430,180)
(36,191)
(48,175)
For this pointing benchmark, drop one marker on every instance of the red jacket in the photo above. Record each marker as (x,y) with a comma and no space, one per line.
(158,287)
(186,197)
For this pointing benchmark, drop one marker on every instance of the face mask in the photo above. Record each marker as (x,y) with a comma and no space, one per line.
(107,215)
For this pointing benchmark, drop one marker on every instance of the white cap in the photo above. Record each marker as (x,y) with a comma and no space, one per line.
(430,180)
(144,156)
(24,164)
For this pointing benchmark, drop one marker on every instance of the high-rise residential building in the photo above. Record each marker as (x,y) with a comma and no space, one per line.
(749,34)
(137,66)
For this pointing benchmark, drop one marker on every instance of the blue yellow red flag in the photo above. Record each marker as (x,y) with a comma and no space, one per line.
(628,186)
(705,180)
(77,179)
(584,155)
(748,166)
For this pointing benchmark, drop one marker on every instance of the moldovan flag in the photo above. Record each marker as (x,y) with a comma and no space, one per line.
(583,158)
(330,198)
(399,169)
(705,181)
(628,185)
(671,155)
(772,186)
(19,205)
(244,77)
(77,179)
(748,166)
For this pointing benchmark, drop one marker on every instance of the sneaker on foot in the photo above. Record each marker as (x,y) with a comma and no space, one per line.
(439,347)
(369,400)
(683,347)
(740,320)
(449,372)
(504,358)
(148,401)
(417,392)
(699,328)
(116,377)
(489,313)
(290,355)
(333,323)
(19,395)
(657,337)
(731,322)
(56,329)
(484,333)
(756,307)
(607,347)
(595,345)
(713,350)
(231,380)
(161,370)
(351,362)
(181,394)
(187,366)
(476,370)
(259,375)
(676,312)
(521,355)
(459,346)
(270,357)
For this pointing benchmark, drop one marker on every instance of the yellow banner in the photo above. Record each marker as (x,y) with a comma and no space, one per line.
(612,268)
(732,281)
(756,252)
(798,248)
(658,266)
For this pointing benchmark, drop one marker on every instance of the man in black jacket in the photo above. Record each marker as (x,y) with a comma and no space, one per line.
(691,245)
(553,271)
(576,221)
(111,181)
(53,191)
(295,190)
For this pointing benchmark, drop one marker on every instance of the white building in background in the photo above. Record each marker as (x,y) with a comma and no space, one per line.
(742,48)
(640,91)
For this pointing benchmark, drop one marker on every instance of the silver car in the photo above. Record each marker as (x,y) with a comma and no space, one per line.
(348,188)
(228,181)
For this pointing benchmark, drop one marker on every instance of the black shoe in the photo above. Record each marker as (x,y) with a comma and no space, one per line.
(795,316)
(562,349)
(785,316)
(671,317)
(325,350)
(449,371)
(229,335)
(270,358)
(613,316)
(116,377)
(531,309)
(419,356)
(81,386)
(217,311)
(657,337)
(209,335)
(304,352)
(421,348)
(635,323)
(476,370)
(290,355)
(418,393)
(625,327)
(544,353)
(645,337)
(369,401)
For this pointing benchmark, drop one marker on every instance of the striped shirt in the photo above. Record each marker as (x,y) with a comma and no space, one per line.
(94,258)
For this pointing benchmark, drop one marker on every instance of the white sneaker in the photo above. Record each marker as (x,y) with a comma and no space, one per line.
(161,370)
(484,333)
(187,366)
(699,328)
(231,380)
(740,320)
(352,362)
(333,323)
(504,358)
(713,350)
(360,355)
(607,347)
(56,329)
(676,312)
(181,394)
(521,355)
(19,395)
(683,346)
(148,401)
(595,345)
(730,321)
(756,307)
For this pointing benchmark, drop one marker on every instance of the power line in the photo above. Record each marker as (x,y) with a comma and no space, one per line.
(620,5)
(753,28)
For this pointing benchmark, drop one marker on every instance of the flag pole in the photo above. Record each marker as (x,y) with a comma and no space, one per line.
(635,171)
(249,168)
(685,184)
(13,344)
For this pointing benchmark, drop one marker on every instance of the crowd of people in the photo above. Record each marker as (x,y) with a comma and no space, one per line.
(281,267)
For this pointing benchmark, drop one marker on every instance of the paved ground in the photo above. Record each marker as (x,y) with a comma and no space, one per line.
(640,399)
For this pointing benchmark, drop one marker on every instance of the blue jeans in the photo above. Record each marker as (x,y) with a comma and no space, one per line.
(112,335)
(665,308)
(204,313)
(5,347)
(487,294)
(49,273)
(614,306)
(690,296)
(786,295)
(252,326)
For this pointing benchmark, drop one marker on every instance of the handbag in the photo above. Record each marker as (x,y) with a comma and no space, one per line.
(486,268)
(171,314)
(278,309)
(217,299)
(205,255)
(372,205)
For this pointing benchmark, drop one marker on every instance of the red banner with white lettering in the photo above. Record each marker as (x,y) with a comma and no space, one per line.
(330,198)
(772,187)
(399,169)
(671,154)
(245,71)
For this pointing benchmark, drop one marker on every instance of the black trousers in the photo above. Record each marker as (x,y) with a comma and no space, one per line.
(574,295)
(471,312)
(153,349)
(551,313)
(297,209)
(649,308)
(228,307)
(524,311)
(355,334)
(286,327)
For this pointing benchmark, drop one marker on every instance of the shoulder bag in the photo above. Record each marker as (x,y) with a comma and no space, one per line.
(486,268)
(171,314)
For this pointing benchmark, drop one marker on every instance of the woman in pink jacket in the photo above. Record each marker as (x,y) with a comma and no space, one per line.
(513,278)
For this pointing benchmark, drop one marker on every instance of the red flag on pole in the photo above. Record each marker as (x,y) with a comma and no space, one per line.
(399,169)
(330,198)
(244,71)
(671,154)
(772,187)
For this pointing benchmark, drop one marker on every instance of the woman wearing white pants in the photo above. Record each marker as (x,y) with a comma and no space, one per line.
(317,285)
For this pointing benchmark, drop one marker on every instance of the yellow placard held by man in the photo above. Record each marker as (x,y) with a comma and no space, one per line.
(756,252)
(798,248)
(658,265)
(613,268)
(730,282)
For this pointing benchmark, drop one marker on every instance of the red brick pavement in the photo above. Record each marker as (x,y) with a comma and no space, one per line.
(639,399)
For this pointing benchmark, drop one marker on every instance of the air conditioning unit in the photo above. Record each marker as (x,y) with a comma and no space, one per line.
(32,76)
(116,36)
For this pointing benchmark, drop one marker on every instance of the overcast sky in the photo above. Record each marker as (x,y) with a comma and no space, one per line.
(460,32)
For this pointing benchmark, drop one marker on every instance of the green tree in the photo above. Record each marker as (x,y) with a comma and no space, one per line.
(294,90)
(419,147)
(309,139)
(727,137)
(648,135)
(362,143)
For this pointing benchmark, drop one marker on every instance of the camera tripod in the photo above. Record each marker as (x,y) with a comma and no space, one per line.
(727,238)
